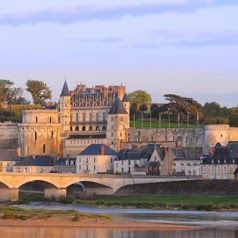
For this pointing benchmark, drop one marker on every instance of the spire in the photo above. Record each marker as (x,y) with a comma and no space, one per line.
(117,108)
(125,98)
(65,90)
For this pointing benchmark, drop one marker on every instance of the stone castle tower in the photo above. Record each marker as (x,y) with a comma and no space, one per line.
(81,118)
(65,109)
(117,123)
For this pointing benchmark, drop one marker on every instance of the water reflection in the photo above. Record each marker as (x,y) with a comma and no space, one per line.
(24,232)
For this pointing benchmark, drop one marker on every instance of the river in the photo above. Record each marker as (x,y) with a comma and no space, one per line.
(216,224)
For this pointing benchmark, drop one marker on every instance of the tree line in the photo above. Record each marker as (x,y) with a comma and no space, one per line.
(177,108)
(181,108)
(12,101)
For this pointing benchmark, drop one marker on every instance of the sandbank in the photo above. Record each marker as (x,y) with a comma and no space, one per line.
(65,222)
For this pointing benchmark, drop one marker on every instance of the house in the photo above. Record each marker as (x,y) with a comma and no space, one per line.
(155,162)
(135,161)
(8,158)
(65,165)
(35,164)
(96,159)
(223,163)
(187,161)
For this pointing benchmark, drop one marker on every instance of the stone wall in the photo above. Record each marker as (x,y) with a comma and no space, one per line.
(8,135)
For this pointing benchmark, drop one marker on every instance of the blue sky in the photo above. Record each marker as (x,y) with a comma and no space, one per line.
(186,47)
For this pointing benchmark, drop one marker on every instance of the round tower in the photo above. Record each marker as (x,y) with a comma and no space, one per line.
(126,103)
(117,123)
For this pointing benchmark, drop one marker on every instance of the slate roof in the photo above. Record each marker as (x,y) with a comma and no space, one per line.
(188,153)
(38,160)
(9,155)
(65,90)
(144,152)
(62,161)
(117,107)
(125,98)
(223,155)
(95,149)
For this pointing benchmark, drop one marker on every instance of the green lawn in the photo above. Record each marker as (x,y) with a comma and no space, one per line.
(170,201)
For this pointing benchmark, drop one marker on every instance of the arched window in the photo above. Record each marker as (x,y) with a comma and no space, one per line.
(76,128)
(83,128)
(90,128)
(97,128)
(44,148)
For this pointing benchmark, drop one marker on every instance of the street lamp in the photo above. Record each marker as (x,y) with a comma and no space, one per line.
(169,113)
(159,120)
(188,119)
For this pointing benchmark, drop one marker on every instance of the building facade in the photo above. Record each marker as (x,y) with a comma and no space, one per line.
(80,119)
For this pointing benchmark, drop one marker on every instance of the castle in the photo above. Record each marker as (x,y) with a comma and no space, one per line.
(100,115)
(83,116)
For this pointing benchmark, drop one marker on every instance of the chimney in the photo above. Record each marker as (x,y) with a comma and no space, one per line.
(102,150)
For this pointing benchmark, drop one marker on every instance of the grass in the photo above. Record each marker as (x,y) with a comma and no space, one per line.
(168,202)
(10,212)
(186,202)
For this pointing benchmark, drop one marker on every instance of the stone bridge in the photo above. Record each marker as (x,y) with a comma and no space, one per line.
(57,183)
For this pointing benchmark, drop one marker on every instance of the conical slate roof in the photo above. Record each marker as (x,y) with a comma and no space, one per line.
(65,90)
(125,98)
(117,108)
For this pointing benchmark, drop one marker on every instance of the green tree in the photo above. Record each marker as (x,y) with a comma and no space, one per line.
(143,107)
(39,91)
(183,106)
(139,96)
(15,96)
(5,86)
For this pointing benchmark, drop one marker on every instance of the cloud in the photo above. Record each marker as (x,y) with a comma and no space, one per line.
(209,39)
(66,14)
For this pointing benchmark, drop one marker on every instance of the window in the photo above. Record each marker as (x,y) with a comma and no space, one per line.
(50,119)
(52,134)
(36,119)
(35,136)
(44,149)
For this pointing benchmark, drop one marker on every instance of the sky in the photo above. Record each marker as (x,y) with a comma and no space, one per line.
(184,47)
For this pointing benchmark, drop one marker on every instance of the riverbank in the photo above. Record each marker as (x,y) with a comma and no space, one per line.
(60,221)
(12,216)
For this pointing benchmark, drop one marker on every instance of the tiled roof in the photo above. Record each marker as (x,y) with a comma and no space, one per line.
(9,155)
(117,108)
(144,152)
(125,98)
(65,90)
(188,152)
(62,161)
(222,155)
(38,160)
(98,149)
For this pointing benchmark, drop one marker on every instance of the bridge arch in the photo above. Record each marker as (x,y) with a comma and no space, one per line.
(92,180)
(40,179)
(4,184)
